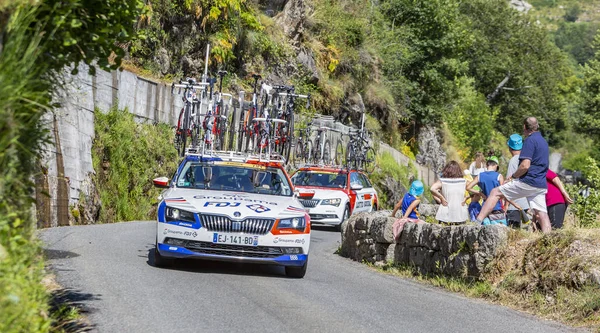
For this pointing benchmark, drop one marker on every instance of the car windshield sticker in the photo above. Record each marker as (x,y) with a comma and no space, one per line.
(243,165)
(258,208)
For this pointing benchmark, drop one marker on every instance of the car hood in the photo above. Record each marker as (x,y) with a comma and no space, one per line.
(324,193)
(236,205)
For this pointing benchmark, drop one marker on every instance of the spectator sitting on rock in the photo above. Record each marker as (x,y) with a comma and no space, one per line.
(487,181)
(475,205)
(410,205)
(450,192)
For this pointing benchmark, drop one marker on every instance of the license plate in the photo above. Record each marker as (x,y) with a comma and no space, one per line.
(235,239)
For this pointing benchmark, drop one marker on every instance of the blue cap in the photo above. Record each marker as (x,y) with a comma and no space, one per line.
(515,142)
(416,188)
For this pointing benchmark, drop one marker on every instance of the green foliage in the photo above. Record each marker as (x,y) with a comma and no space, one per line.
(127,156)
(572,13)
(23,99)
(88,31)
(587,210)
(422,43)
(506,41)
(590,108)
(184,27)
(471,120)
(576,39)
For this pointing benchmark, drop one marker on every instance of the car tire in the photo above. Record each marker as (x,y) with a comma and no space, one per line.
(345,217)
(296,272)
(159,260)
(374,207)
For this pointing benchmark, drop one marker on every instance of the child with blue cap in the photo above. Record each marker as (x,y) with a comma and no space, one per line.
(409,205)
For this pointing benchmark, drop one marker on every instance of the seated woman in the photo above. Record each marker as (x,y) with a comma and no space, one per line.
(410,205)
(449,190)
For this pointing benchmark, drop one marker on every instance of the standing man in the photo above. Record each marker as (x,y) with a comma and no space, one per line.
(513,215)
(529,181)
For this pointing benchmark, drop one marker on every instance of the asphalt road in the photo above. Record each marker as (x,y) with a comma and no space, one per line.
(106,268)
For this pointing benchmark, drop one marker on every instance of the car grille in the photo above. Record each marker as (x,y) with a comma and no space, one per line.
(317,217)
(309,203)
(252,226)
(233,250)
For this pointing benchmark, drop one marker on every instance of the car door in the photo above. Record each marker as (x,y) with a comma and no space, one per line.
(369,193)
(359,203)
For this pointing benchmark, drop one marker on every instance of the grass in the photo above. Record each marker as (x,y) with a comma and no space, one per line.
(124,172)
(538,274)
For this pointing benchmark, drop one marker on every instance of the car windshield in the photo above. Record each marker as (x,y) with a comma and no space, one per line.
(320,179)
(239,177)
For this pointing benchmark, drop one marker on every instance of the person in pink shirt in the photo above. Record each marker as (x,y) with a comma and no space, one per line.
(557,199)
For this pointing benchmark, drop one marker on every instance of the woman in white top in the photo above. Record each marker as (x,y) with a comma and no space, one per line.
(478,166)
(449,191)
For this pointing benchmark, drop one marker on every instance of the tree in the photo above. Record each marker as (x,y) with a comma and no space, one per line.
(89,31)
(590,93)
(422,50)
(506,41)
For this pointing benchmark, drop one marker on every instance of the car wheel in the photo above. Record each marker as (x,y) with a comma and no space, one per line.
(295,271)
(345,217)
(159,260)
(374,207)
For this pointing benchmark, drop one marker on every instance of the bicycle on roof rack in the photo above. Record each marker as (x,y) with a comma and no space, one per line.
(215,121)
(303,148)
(248,128)
(359,155)
(186,124)
(285,105)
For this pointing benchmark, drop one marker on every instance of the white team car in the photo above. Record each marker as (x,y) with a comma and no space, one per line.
(337,193)
(232,208)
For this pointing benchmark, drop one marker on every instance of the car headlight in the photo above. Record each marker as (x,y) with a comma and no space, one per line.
(176,214)
(333,202)
(298,223)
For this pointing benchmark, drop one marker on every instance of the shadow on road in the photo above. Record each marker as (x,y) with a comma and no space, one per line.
(219,267)
(63,302)
(59,254)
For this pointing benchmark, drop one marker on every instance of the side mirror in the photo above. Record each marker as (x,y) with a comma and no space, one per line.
(306,195)
(356,187)
(161,182)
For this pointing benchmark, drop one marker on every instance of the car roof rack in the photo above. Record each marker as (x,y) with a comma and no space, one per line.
(235,156)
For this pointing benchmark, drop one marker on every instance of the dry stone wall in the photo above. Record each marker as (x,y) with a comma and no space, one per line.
(462,251)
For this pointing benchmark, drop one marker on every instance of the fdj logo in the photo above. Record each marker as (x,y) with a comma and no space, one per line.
(258,208)
(221,204)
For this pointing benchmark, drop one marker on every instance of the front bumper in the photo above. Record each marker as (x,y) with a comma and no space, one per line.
(324,214)
(172,251)
(177,240)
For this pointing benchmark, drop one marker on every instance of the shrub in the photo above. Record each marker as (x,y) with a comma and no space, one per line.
(127,156)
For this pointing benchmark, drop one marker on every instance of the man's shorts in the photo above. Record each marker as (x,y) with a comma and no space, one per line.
(516,189)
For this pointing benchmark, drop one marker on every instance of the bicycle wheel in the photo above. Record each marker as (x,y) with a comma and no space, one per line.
(297,156)
(327,152)
(289,137)
(308,152)
(369,161)
(339,153)
(350,162)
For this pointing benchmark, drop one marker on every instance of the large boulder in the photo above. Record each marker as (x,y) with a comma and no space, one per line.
(431,153)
